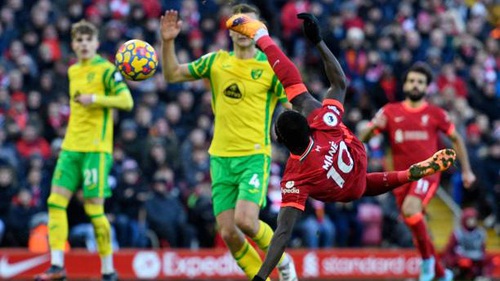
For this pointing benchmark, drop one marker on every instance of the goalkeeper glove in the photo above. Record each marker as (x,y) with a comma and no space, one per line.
(310,26)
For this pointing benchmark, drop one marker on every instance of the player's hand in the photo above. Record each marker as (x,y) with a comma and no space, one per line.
(310,26)
(170,25)
(468,178)
(379,121)
(84,99)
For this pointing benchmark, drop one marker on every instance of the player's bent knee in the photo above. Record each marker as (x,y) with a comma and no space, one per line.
(247,225)
(57,201)
(93,210)
(61,191)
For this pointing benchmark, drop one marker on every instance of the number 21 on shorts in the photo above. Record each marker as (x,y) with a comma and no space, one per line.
(90,177)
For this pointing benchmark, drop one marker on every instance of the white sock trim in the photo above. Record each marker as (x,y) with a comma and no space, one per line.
(260,33)
(107,264)
(57,257)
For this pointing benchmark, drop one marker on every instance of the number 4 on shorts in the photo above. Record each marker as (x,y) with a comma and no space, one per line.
(254,181)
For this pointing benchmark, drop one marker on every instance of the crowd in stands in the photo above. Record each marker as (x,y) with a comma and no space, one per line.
(160,177)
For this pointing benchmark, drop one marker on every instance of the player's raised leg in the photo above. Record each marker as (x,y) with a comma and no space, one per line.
(379,183)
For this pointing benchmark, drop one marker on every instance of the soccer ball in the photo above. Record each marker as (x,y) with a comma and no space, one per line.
(136,60)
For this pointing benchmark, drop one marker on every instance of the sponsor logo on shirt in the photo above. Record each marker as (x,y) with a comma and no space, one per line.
(410,135)
(233,92)
(290,188)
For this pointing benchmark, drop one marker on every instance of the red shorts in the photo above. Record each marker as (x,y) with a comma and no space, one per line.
(424,189)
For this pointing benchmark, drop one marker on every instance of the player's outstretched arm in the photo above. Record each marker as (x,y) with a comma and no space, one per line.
(170,26)
(286,220)
(334,72)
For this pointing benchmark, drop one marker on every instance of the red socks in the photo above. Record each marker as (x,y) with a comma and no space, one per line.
(287,72)
(439,268)
(379,183)
(421,238)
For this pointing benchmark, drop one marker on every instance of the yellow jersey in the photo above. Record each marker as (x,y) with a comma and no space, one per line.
(90,129)
(244,95)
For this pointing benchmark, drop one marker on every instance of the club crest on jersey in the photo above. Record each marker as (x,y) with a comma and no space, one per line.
(330,119)
(256,73)
(90,77)
(425,119)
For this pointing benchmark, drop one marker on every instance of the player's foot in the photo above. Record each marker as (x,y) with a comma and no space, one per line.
(244,24)
(448,275)
(54,273)
(110,277)
(287,270)
(427,272)
(440,161)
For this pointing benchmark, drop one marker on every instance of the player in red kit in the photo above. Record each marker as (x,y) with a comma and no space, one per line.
(413,128)
(327,162)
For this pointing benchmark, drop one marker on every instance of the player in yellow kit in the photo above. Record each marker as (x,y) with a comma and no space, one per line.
(245,92)
(95,88)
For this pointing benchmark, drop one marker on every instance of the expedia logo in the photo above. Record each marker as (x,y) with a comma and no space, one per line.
(290,188)
(233,92)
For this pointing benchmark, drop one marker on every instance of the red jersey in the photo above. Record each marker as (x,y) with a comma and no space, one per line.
(333,168)
(413,132)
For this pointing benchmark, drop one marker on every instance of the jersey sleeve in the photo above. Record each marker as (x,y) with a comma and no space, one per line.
(444,123)
(328,117)
(278,90)
(114,82)
(200,68)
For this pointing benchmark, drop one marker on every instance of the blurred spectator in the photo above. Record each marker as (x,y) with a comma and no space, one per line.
(449,80)
(18,111)
(200,211)
(8,152)
(195,165)
(166,215)
(130,196)
(349,229)
(31,143)
(315,227)
(8,189)
(129,140)
(371,218)
(19,217)
(465,252)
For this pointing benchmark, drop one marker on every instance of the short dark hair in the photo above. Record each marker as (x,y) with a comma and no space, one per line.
(292,130)
(83,27)
(245,9)
(420,67)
